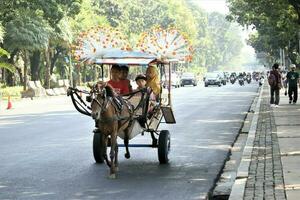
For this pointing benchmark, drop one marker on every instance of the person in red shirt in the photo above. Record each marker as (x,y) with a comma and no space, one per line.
(124,77)
(119,86)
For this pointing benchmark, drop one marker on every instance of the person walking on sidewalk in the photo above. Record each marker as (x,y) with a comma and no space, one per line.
(292,79)
(275,83)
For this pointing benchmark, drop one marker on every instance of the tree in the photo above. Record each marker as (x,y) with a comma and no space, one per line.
(43,17)
(276,23)
(27,33)
(4,53)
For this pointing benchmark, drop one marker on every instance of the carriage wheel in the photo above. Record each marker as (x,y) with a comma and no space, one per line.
(164,143)
(98,149)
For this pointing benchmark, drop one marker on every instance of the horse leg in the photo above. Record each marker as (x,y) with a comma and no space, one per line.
(104,146)
(116,157)
(112,174)
(126,142)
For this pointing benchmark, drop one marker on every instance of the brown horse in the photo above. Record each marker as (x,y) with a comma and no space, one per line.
(110,119)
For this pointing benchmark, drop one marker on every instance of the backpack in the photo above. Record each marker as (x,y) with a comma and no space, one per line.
(272,80)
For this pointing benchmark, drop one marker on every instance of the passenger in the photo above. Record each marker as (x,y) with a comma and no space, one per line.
(115,81)
(124,77)
(141,81)
(153,80)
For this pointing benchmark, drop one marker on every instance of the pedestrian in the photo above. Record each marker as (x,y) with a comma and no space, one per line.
(275,83)
(292,79)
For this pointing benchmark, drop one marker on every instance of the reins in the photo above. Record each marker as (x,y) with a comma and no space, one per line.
(104,107)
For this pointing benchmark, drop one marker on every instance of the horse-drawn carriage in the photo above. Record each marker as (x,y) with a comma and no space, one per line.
(131,112)
(129,115)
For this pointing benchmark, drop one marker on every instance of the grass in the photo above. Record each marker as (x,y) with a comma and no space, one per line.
(13,92)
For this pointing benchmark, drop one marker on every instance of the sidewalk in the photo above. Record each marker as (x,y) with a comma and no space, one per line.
(274,154)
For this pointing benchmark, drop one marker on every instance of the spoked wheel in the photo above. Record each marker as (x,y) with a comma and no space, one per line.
(164,143)
(98,149)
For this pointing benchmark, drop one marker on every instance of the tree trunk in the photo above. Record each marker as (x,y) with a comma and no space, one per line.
(95,75)
(47,69)
(9,78)
(19,71)
(35,65)
(3,75)
(25,77)
(77,78)
(54,58)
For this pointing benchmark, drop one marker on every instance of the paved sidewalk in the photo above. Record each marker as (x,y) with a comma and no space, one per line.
(287,120)
(265,177)
(274,167)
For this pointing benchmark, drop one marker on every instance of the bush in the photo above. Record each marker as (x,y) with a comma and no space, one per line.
(13,92)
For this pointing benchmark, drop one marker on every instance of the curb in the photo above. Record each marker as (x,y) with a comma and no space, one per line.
(238,188)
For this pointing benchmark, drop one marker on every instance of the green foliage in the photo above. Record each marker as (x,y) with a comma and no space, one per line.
(13,92)
(1,33)
(48,28)
(86,18)
(198,71)
(3,53)
(28,31)
(277,23)
(112,9)
(218,42)
(51,11)
(7,66)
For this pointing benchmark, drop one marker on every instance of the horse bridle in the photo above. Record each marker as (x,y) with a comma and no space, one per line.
(95,92)
(104,106)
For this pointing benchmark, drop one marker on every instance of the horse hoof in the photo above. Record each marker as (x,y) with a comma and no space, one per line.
(127,155)
(112,176)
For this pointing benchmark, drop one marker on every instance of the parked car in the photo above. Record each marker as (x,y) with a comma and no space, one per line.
(175,81)
(188,79)
(212,78)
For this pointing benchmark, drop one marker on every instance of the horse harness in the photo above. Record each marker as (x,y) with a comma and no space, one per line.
(118,103)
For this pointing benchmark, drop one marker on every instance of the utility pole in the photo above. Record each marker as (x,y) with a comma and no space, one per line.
(299,42)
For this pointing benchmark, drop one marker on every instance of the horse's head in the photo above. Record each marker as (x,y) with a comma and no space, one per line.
(99,100)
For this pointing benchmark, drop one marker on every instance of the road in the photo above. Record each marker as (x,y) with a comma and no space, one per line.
(46,149)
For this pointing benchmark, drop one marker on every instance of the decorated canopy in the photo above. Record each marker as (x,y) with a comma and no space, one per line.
(98,42)
(123,57)
(166,44)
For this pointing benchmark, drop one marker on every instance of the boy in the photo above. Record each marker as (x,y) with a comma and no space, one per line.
(115,81)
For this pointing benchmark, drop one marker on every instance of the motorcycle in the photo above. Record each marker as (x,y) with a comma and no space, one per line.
(241,81)
(248,79)
(261,80)
(232,80)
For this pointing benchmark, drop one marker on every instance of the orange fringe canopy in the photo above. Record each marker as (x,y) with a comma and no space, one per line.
(98,41)
(166,44)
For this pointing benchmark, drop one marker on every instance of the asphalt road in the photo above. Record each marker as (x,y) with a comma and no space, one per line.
(46,149)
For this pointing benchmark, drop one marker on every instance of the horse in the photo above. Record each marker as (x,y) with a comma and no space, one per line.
(111,117)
